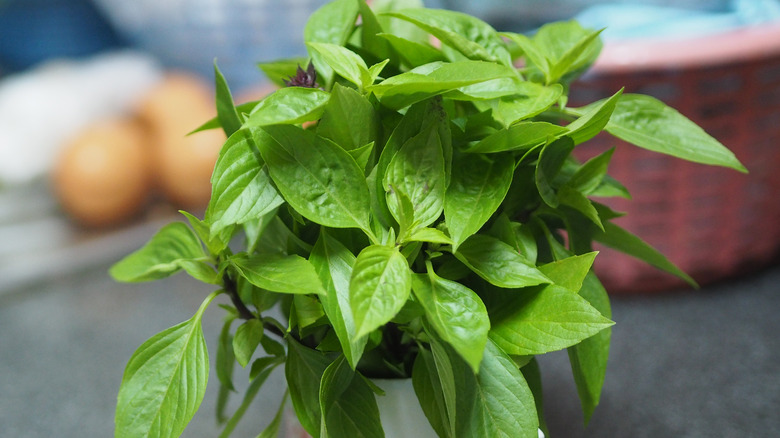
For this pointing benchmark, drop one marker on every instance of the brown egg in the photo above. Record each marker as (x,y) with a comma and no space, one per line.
(102,176)
(182,164)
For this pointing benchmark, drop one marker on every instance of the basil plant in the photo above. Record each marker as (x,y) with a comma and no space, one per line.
(405,205)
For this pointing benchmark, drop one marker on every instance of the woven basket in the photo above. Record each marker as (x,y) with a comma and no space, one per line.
(714,223)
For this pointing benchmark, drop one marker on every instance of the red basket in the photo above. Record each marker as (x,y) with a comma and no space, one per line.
(713,223)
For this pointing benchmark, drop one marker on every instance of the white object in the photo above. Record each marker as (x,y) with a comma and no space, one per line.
(41,109)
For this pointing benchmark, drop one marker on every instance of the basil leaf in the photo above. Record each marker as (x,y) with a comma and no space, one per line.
(456,313)
(551,159)
(289,105)
(349,119)
(579,202)
(570,272)
(626,242)
(317,178)
(225,360)
(650,124)
(531,100)
(567,46)
(521,136)
(303,370)
(591,174)
(379,286)
(576,56)
(432,235)
(477,188)
(520,237)
(470,36)
(593,119)
(241,190)
(281,70)
(161,257)
(348,404)
(215,244)
(413,53)
(246,340)
(290,274)
(498,263)
(370,29)
(343,61)
(333,263)
(164,381)
(534,56)
(332,23)
(427,387)
(589,358)
(226,110)
(417,171)
(542,320)
(435,78)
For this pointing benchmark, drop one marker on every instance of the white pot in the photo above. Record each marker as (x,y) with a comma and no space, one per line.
(399,410)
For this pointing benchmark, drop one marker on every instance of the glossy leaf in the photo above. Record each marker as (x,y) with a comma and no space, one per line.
(551,160)
(349,119)
(417,170)
(531,52)
(589,358)
(478,186)
(290,274)
(570,272)
(161,257)
(379,286)
(241,190)
(591,174)
(414,53)
(593,120)
(650,124)
(303,371)
(226,110)
(290,105)
(567,46)
(317,178)
(432,235)
(246,340)
(332,23)
(343,61)
(521,136)
(532,100)
(456,313)
(498,263)
(348,404)
(427,387)
(520,237)
(164,381)
(626,242)
(472,37)
(546,319)
(214,244)
(334,263)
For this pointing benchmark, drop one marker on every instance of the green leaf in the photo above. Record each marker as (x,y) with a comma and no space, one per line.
(379,286)
(370,29)
(593,119)
(343,61)
(521,136)
(214,123)
(272,430)
(249,396)
(290,274)
(303,371)
(349,119)
(333,263)
(215,244)
(541,320)
(456,313)
(650,124)
(413,53)
(589,358)
(317,178)
(348,404)
(289,105)
(626,242)
(241,190)
(532,53)
(477,188)
(470,36)
(332,23)
(434,79)
(432,235)
(551,160)
(591,174)
(572,198)
(246,340)
(225,359)
(226,110)
(417,170)
(570,272)
(161,257)
(531,100)
(576,56)
(281,70)
(427,387)
(567,46)
(498,263)
(164,381)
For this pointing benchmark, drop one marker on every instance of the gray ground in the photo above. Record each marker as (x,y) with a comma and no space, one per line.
(704,364)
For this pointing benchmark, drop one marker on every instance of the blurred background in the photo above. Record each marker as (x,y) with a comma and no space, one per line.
(96,97)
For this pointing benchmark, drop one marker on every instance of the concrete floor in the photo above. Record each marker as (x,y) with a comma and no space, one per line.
(703,364)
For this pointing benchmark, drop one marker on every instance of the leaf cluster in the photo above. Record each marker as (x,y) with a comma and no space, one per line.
(419,216)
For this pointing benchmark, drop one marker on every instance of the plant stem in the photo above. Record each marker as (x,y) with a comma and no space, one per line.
(231,290)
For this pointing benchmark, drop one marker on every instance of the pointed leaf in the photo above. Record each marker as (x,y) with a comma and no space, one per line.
(551,160)
(289,105)
(498,263)
(348,404)
(303,371)
(246,340)
(570,272)
(226,110)
(521,136)
(593,119)
(349,119)
(343,61)
(290,274)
